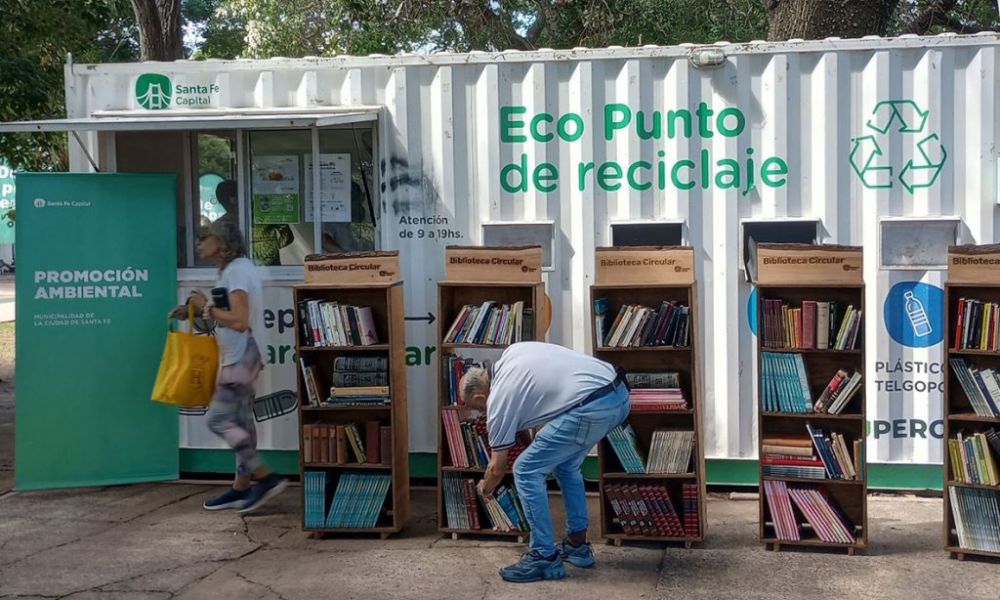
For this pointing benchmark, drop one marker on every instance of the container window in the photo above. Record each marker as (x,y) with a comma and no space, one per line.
(916,243)
(348,210)
(216,194)
(662,233)
(522,234)
(279,232)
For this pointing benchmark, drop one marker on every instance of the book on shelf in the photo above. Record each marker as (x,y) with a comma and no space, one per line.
(328,443)
(310,376)
(326,323)
(669,450)
(821,455)
(358,500)
(456,366)
(976,513)
(973,457)
(785,386)
(600,318)
(640,326)
(824,517)
(655,391)
(315,499)
(977,325)
(815,325)
(646,509)
(464,506)
(981,386)
(468,440)
(491,323)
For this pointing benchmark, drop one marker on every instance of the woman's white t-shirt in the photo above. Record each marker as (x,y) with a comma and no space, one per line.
(241,274)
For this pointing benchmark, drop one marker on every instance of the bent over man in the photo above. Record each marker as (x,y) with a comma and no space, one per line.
(579,399)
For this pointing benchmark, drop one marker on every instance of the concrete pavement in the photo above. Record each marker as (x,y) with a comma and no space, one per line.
(155,542)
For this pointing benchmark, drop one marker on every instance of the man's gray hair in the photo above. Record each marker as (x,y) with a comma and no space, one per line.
(231,240)
(473,382)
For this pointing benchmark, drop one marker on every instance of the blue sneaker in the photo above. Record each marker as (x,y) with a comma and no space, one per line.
(230,499)
(579,556)
(534,567)
(261,492)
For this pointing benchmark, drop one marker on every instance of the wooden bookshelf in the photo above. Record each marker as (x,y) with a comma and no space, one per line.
(794,273)
(648,276)
(973,273)
(474,275)
(357,279)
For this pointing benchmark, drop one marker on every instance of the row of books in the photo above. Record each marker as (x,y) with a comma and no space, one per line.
(646,509)
(468,440)
(972,461)
(464,506)
(977,518)
(454,368)
(326,323)
(981,387)
(357,500)
(785,386)
(357,381)
(637,325)
(977,325)
(327,443)
(814,325)
(669,450)
(491,324)
(827,521)
(822,455)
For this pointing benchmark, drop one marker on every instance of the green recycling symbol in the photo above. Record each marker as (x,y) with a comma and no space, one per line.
(905,117)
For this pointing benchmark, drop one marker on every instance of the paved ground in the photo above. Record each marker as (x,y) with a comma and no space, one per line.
(6,406)
(153,542)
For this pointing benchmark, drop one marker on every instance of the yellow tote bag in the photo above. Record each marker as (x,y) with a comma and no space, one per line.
(188,368)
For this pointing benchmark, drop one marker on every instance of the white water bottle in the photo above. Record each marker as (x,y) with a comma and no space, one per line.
(917,315)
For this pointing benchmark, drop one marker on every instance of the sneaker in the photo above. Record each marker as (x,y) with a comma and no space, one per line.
(230,499)
(534,567)
(579,556)
(261,492)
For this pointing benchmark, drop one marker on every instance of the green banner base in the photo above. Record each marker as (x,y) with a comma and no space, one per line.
(723,472)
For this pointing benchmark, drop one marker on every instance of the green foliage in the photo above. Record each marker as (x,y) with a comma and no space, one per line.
(34,40)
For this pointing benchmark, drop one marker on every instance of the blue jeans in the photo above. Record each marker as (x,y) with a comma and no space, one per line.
(560,448)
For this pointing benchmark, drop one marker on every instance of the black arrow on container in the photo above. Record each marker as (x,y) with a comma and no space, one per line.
(429,318)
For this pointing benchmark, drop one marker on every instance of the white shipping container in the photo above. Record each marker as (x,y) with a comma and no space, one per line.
(889,144)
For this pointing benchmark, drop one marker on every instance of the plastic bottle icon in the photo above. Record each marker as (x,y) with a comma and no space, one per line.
(917,315)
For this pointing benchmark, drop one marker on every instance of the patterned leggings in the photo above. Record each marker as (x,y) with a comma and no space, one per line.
(230,415)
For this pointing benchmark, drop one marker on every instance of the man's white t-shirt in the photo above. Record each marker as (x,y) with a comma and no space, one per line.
(241,274)
(533,382)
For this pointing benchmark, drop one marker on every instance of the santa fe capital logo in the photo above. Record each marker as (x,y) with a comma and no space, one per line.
(153,91)
(877,170)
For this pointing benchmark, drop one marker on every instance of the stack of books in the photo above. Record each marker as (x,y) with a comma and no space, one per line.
(504,511)
(461,507)
(833,450)
(976,512)
(637,326)
(358,500)
(977,326)
(626,447)
(328,443)
(491,324)
(455,367)
(785,386)
(325,323)
(360,381)
(790,457)
(814,325)
(981,387)
(647,510)
(669,451)
(691,517)
(972,459)
(825,518)
(655,391)
(314,490)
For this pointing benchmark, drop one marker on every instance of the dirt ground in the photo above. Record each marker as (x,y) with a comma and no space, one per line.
(6,406)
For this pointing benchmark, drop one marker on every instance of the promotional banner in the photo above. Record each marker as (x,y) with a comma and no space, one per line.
(96,278)
(6,204)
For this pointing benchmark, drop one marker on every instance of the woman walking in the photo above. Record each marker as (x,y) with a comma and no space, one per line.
(230,414)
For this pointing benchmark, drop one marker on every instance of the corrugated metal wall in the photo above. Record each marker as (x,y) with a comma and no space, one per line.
(804,102)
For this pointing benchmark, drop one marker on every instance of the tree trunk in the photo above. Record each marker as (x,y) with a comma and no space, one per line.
(159,24)
(818,19)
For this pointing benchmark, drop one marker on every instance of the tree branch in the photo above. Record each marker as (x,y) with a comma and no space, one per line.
(935,14)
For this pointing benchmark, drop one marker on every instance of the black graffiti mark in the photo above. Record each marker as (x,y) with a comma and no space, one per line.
(412,190)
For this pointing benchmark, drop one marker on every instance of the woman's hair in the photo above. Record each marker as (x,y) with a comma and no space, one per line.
(231,241)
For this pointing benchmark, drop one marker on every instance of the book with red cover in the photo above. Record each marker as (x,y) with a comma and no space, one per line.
(471,505)
(808,323)
(385,445)
(373,438)
(341,433)
(691,521)
(672,515)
